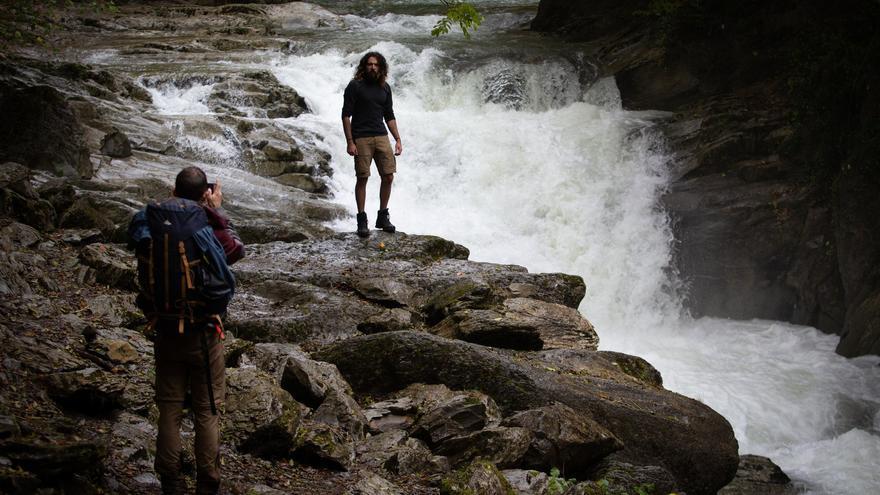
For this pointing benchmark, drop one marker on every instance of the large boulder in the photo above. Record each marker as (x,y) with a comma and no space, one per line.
(521,323)
(562,437)
(113,265)
(258,92)
(39,129)
(758,474)
(685,437)
(460,414)
(89,391)
(478,477)
(260,417)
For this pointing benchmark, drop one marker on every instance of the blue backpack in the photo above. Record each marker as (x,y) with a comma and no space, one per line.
(182,272)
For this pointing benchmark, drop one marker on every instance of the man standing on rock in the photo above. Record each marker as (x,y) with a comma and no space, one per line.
(366,108)
(184,246)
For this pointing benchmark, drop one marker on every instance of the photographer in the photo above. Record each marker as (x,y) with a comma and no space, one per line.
(184,246)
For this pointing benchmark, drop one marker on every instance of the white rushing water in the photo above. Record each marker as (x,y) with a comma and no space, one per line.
(555,176)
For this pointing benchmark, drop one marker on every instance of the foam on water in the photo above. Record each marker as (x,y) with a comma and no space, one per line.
(172,100)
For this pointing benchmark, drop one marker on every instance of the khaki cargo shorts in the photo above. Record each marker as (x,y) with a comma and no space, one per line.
(378,148)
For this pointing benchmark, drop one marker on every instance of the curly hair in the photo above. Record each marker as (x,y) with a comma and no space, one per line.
(361,71)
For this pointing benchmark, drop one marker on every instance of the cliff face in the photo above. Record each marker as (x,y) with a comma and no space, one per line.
(775,106)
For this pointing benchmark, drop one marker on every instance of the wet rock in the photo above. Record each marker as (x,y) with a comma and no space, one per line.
(373,484)
(304,182)
(90,391)
(38,354)
(385,291)
(479,477)
(655,425)
(235,351)
(264,490)
(96,211)
(459,415)
(115,144)
(114,266)
(307,380)
(37,213)
(387,321)
(375,451)
(282,153)
(116,310)
(298,15)
(12,276)
(40,130)
(324,445)
(758,474)
(587,364)
(260,417)
(524,324)
(132,444)
(340,409)
(59,192)
(55,461)
(280,311)
(8,427)
(16,235)
(258,92)
(562,437)
(81,237)
(17,178)
(390,415)
(625,477)
(525,482)
(414,457)
(503,446)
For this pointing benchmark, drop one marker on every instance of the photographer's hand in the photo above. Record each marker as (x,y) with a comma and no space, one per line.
(215,196)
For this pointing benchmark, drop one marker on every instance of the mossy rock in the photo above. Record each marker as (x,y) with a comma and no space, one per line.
(478,478)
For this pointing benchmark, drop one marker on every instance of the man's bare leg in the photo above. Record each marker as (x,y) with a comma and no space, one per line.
(385,190)
(383,220)
(360,193)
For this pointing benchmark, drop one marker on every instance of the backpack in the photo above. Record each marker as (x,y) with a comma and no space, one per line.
(182,272)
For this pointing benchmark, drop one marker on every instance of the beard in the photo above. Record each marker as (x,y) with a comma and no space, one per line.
(371,76)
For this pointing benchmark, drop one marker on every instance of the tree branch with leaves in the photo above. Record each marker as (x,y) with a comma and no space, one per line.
(458,12)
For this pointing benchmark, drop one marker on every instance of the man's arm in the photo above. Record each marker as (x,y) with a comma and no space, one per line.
(392,126)
(392,121)
(347,112)
(228,238)
(346,128)
(233,248)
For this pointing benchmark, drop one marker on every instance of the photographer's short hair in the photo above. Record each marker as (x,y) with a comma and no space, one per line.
(191,183)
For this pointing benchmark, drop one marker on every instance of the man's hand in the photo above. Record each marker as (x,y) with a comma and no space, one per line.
(352,149)
(398,148)
(214,197)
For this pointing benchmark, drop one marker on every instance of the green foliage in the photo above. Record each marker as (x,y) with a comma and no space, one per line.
(556,484)
(833,79)
(458,12)
(29,22)
(674,17)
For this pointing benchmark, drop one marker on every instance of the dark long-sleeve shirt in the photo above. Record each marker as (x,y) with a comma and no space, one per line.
(369,105)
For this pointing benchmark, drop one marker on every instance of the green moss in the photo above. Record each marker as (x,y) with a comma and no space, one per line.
(456,483)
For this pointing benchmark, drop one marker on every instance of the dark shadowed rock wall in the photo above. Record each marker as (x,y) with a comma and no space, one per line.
(775,129)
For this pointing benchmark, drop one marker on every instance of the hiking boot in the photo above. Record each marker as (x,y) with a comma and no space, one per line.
(383,221)
(363,225)
(172,485)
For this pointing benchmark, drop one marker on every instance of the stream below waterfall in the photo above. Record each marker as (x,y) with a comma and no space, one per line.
(514,149)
